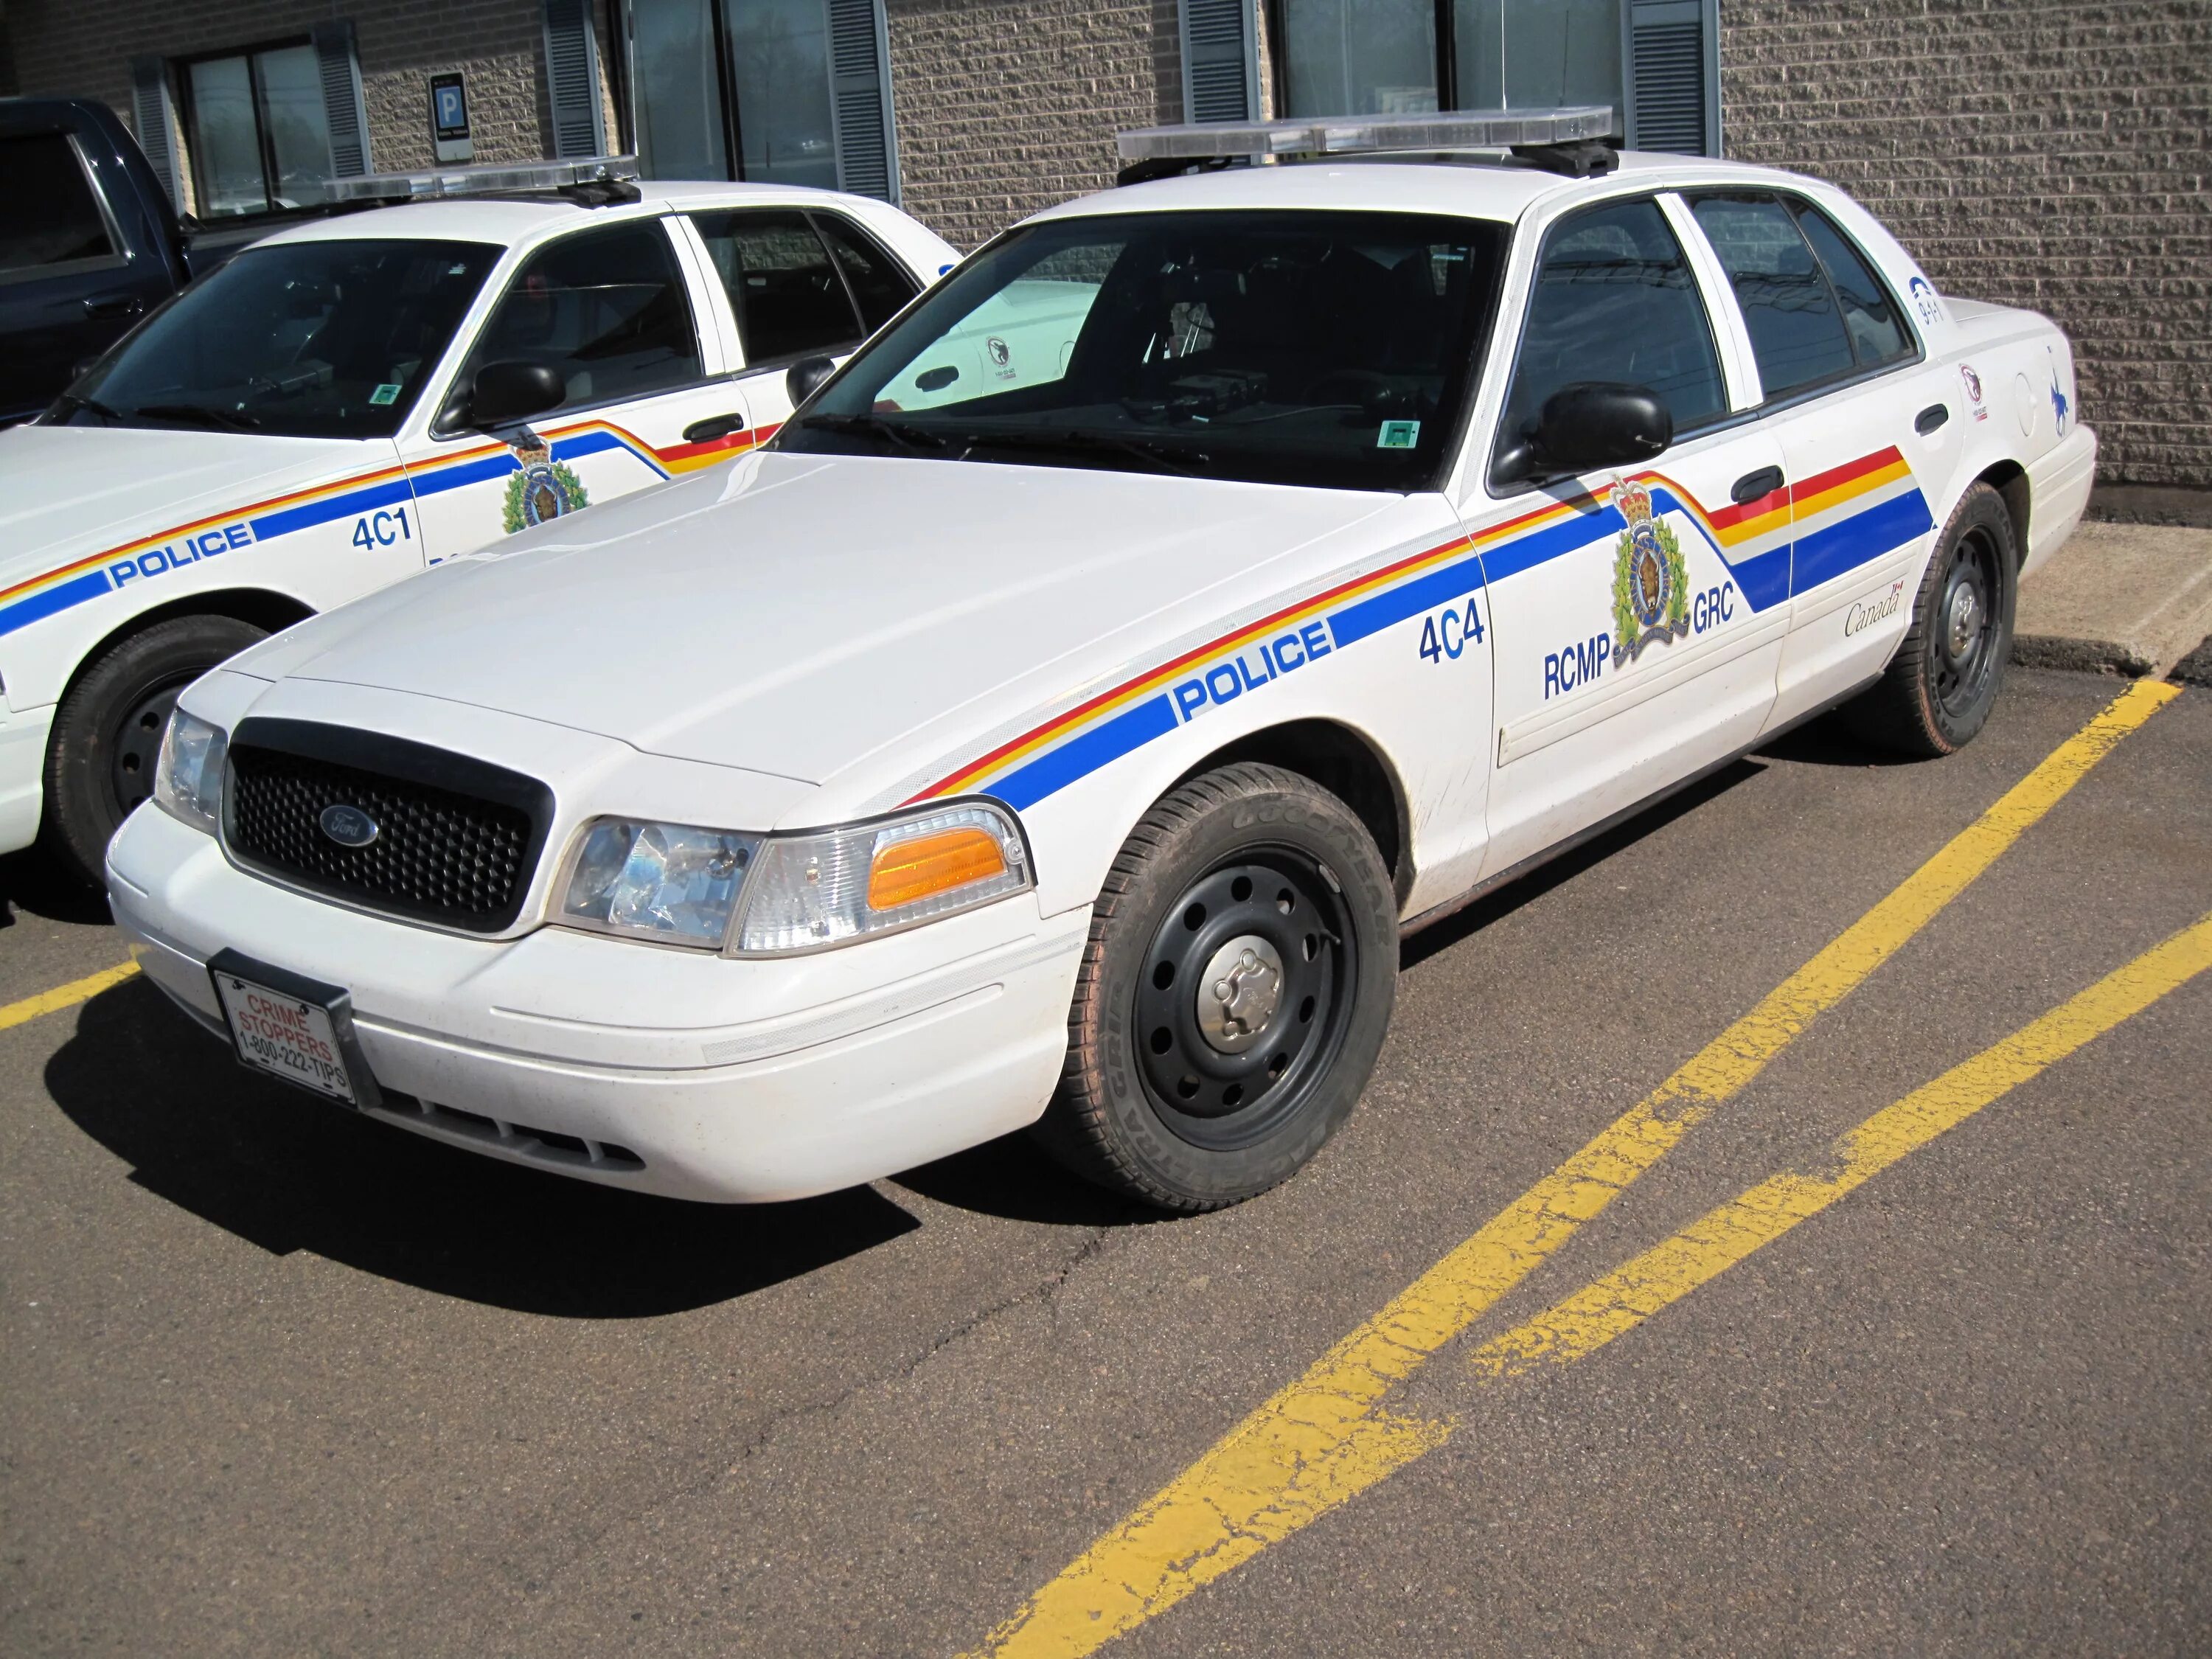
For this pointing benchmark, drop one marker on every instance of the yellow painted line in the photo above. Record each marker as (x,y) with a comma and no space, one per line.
(1616,1304)
(65,996)
(1324,1439)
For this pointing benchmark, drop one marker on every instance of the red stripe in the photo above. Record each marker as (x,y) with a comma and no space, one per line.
(737,439)
(1727,518)
(1805,488)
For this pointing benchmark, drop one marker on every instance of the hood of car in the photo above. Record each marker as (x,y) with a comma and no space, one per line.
(69,492)
(803,615)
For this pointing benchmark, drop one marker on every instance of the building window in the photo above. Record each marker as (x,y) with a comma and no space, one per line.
(789,92)
(257,129)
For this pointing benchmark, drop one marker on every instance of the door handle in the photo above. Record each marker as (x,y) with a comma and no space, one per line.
(1929,418)
(713,427)
(1753,485)
(114,305)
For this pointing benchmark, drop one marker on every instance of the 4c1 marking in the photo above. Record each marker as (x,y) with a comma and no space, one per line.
(381,529)
(1449,632)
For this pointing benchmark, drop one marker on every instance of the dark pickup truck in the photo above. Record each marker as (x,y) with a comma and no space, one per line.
(89,243)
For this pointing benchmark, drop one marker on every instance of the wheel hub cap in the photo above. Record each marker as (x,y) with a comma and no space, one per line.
(1965,621)
(1238,993)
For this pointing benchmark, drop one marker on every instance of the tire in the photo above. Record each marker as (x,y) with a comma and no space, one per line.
(107,732)
(1248,877)
(1938,689)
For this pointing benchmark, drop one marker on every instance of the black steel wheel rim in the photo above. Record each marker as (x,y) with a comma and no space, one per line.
(1967,623)
(1261,900)
(135,745)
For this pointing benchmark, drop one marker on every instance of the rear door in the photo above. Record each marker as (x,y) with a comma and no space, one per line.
(1639,611)
(615,310)
(799,284)
(1843,386)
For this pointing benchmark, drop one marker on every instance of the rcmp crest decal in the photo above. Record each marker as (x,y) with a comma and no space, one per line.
(541,488)
(1650,582)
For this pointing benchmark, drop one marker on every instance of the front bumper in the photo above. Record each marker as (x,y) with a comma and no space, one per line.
(24,734)
(731,1081)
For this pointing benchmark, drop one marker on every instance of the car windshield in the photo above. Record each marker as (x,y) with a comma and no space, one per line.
(322,339)
(1312,348)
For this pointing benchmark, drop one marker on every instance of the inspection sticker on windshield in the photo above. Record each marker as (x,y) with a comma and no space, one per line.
(1399,434)
(386,394)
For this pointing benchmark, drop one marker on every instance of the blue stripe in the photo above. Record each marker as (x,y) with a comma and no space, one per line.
(591,443)
(466,472)
(1370,615)
(60,597)
(1542,546)
(1826,553)
(308,515)
(1079,757)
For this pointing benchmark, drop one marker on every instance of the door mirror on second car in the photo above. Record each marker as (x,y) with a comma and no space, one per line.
(507,394)
(1586,426)
(804,376)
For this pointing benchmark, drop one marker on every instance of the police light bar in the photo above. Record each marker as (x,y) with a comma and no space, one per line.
(496,178)
(1348,135)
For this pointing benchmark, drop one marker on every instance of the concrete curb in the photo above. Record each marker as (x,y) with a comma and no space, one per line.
(2126,599)
(2196,668)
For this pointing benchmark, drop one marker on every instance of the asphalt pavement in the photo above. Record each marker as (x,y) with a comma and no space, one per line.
(277,1380)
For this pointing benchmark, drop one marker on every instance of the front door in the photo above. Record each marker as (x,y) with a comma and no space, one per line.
(612,311)
(1639,611)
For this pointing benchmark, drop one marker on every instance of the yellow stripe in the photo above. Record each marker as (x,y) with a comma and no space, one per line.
(1616,1304)
(1322,1439)
(64,996)
(1852,490)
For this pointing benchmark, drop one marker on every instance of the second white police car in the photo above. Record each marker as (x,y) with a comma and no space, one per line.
(328,412)
(1061,720)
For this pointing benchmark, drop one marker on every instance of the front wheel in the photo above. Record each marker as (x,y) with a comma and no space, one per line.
(1243,959)
(1939,689)
(107,732)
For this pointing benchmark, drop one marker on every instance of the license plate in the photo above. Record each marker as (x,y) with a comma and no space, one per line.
(292,1028)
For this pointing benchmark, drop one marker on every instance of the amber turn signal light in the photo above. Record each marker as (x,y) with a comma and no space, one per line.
(924,866)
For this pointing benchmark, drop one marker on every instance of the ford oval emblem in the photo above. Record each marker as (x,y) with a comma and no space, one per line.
(349,826)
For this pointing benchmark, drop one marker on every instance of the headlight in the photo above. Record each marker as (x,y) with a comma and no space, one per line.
(838,884)
(665,881)
(188,776)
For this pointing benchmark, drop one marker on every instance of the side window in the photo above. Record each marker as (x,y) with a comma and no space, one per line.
(1877,334)
(47,215)
(789,300)
(880,286)
(1796,333)
(606,308)
(1614,300)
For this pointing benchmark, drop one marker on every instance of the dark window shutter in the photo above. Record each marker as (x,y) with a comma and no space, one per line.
(342,100)
(1671,52)
(572,78)
(150,113)
(1220,60)
(861,94)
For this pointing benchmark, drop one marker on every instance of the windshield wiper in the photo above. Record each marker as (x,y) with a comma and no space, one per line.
(1162,457)
(911,438)
(69,401)
(200,415)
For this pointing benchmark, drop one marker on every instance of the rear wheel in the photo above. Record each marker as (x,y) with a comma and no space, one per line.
(1234,994)
(1940,687)
(107,732)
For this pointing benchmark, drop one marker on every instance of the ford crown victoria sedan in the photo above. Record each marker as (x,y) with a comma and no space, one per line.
(331,411)
(1061,721)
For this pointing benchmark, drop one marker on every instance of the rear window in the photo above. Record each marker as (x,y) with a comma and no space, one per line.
(48,216)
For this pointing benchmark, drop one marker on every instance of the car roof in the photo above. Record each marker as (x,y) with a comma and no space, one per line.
(505,219)
(1470,188)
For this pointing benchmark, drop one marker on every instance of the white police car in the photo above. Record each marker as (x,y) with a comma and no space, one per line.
(1062,720)
(348,401)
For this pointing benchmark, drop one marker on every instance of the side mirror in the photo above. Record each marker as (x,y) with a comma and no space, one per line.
(1591,424)
(801,380)
(507,394)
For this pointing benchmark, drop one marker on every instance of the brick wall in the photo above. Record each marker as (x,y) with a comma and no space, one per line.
(1007,106)
(85,46)
(2051,153)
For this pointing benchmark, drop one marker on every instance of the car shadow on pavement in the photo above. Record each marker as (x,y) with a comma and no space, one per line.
(1829,741)
(1016,1180)
(32,883)
(286,1172)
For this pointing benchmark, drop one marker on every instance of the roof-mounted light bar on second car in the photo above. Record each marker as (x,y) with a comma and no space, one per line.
(593,179)
(1567,140)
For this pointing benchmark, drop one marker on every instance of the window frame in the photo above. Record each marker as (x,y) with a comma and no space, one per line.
(117,256)
(1728,416)
(748,364)
(1858,374)
(263,150)
(444,426)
